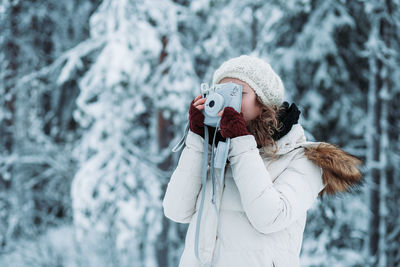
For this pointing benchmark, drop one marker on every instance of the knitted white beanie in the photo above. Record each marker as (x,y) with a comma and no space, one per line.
(257,73)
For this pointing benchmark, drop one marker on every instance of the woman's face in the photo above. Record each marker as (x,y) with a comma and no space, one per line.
(249,106)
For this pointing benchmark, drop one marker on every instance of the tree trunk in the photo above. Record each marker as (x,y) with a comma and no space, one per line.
(375,132)
(164,135)
(379,101)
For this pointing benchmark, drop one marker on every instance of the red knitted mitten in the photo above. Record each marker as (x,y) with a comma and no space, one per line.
(232,123)
(196,120)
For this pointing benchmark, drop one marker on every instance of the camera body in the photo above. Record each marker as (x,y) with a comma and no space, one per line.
(218,97)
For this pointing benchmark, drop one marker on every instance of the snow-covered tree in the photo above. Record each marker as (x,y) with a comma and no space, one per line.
(382,51)
(129,103)
(36,129)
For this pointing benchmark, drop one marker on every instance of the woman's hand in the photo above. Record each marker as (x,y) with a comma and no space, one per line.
(288,116)
(196,117)
(232,123)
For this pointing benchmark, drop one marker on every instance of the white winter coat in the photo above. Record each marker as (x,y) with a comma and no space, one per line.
(262,205)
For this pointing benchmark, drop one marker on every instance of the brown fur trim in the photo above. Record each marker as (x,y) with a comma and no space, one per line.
(340,168)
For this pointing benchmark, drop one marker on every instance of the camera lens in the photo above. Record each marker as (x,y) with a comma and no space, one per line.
(214,103)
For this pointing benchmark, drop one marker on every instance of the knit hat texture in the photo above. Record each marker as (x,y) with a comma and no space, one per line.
(257,73)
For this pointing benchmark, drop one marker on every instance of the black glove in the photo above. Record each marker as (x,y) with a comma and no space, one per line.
(288,116)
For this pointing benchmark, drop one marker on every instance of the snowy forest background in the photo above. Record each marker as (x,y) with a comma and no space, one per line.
(94,94)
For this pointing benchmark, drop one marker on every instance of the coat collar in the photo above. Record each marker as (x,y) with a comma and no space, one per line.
(293,139)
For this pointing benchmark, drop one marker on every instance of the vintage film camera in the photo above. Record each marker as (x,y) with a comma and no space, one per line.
(218,97)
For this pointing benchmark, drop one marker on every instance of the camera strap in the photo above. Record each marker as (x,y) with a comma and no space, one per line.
(181,142)
(204,180)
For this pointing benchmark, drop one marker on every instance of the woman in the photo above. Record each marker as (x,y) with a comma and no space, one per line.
(272,178)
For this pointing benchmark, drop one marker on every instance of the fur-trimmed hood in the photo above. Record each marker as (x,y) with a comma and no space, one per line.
(340,169)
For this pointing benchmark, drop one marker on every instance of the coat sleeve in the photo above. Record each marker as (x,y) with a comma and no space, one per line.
(272,206)
(185,183)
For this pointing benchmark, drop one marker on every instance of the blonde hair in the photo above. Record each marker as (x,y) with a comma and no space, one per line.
(265,125)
